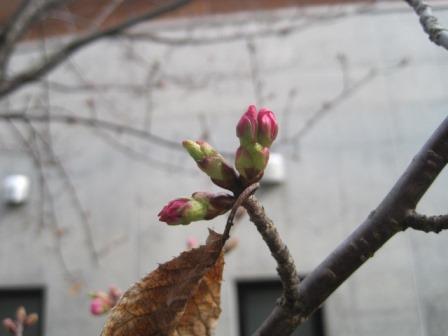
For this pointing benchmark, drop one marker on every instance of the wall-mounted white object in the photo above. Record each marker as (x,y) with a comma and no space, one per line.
(16,189)
(275,172)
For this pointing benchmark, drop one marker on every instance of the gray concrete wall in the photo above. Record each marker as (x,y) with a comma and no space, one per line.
(337,171)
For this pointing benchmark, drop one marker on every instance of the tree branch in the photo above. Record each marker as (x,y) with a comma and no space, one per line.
(425,223)
(436,32)
(285,263)
(26,14)
(40,69)
(388,219)
(239,201)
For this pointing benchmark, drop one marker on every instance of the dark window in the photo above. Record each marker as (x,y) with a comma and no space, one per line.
(256,299)
(33,301)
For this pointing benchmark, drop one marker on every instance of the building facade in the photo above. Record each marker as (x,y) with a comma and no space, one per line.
(357,90)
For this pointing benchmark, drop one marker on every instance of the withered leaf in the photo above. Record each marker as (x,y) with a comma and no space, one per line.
(181,297)
(204,307)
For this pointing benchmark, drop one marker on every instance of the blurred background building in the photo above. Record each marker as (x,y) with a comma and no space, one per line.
(357,89)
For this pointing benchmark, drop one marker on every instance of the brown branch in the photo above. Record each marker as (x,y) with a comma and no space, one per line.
(383,223)
(36,71)
(285,263)
(76,201)
(90,122)
(430,24)
(28,12)
(425,223)
(242,197)
(45,194)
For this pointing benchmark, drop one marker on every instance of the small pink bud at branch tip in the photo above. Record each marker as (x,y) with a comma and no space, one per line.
(192,242)
(246,129)
(267,127)
(10,325)
(97,307)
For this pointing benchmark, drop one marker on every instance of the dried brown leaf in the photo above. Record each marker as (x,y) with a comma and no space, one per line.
(204,307)
(182,293)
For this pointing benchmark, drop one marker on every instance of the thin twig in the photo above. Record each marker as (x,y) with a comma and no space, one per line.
(38,70)
(46,194)
(239,201)
(425,223)
(85,221)
(28,12)
(91,122)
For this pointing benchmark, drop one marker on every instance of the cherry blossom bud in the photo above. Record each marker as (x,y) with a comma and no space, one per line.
(115,293)
(182,211)
(212,163)
(31,319)
(267,127)
(200,206)
(246,129)
(10,325)
(21,314)
(98,307)
(192,242)
(251,162)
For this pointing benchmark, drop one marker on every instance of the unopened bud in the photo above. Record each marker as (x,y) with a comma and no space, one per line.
(31,319)
(10,325)
(115,293)
(201,206)
(21,314)
(251,162)
(267,127)
(182,211)
(212,163)
(97,307)
(246,129)
(192,242)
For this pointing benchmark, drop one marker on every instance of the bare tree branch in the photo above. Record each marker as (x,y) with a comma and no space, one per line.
(28,12)
(38,70)
(45,194)
(242,197)
(92,122)
(425,223)
(436,32)
(285,263)
(383,223)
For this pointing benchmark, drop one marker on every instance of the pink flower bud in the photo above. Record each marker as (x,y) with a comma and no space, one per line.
(192,242)
(267,127)
(173,211)
(10,325)
(98,306)
(246,129)
(114,294)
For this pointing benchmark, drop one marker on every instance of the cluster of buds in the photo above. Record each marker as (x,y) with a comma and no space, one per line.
(23,320)
(212,163)
(201,205)
(103,302)
(257,132)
